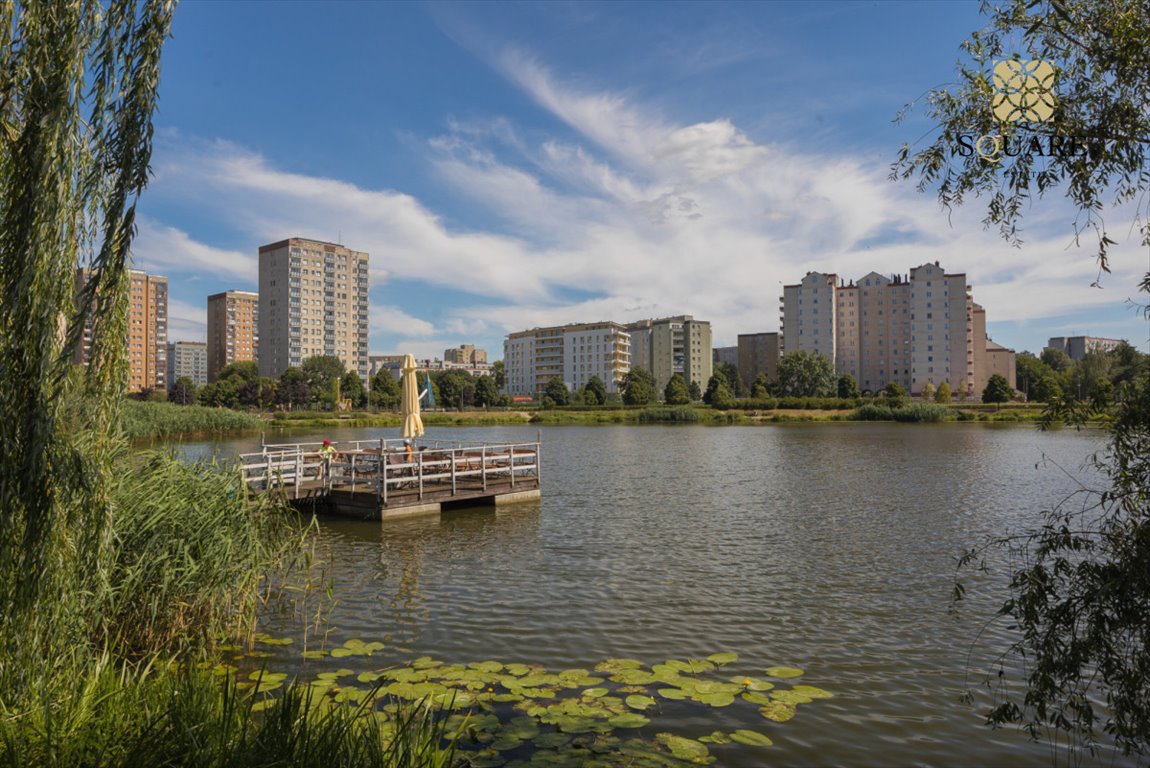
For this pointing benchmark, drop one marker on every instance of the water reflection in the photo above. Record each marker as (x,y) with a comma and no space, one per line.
(830,547)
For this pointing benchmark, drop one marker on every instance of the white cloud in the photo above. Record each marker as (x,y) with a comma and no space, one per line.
(187,322)
(162,249)
(393,320)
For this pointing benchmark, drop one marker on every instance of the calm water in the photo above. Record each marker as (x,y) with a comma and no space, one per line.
(828,547)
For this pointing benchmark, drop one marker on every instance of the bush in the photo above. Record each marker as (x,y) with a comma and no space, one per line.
(149,419)
(917,412)
(682,414)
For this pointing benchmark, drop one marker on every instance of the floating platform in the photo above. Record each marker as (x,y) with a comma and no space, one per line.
(384,479)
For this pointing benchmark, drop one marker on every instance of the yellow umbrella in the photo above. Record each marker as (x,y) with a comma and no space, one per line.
(412,424)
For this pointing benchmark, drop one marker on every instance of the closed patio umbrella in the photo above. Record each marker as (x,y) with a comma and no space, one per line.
(412,423)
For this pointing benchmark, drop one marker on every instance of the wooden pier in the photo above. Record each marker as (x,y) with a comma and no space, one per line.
(383,479)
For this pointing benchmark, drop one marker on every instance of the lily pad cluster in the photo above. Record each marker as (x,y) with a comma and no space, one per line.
(522,715)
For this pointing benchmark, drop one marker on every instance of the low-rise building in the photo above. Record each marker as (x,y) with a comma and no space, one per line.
(1077,346)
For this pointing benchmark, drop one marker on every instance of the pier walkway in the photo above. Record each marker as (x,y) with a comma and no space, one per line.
(381,479)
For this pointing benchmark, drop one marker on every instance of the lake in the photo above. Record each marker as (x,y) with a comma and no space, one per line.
(827,547)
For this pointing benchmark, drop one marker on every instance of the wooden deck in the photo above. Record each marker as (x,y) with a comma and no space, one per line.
(381,479)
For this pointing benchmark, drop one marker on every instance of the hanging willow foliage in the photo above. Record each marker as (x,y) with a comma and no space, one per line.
(78,83)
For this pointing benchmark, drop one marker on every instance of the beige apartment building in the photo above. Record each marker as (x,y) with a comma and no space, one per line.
(233,329)
(147,330)
(574,353)
(989,358)
(465,354)
(758,353)
(909,329)
(312,301)
(670,345)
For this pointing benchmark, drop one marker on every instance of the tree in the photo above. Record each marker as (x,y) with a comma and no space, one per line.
(183,391)
(676,392)
(1035,378)
(486,393)
(557,391)
(942,394)
(847,386)
(895,395)
(321,373)
(694,391)
(997,390)
(730,374)
(802,374)
(963,390)
(498,370)
(638,387)
(256,393)
(595,392)
(385,390)
(293,390)
(761,389)
(1056,360)
(928,390)
(241,370)
(351,388)
(451,386)
(1128,365)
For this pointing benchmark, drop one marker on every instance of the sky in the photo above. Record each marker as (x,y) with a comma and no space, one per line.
(512,165)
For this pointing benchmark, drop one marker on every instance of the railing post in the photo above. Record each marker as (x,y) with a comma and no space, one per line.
(298,470)
(539,464)
(483,466)
(268,473)
(512,464)
(419,463)
(382,484)
(453,459)
(353,473)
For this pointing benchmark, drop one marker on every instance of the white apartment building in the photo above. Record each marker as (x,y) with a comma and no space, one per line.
(312,301)
(808,315)
(574,352)
(190,359)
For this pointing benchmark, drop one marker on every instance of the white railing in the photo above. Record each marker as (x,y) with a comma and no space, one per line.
(390,469)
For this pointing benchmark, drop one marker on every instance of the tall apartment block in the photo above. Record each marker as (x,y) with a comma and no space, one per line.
(910,329)
(233,329)
(725,356)
(1077,346)
(671,345)
(758,353)
(573,352)
(190,359)
(465,354)
(312,301)
(147,330)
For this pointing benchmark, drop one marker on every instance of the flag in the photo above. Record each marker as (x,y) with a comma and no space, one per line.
(430,393)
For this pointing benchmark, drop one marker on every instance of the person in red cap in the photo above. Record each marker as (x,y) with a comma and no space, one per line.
(327,453)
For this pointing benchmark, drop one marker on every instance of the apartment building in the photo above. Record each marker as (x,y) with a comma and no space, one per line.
(1077,346)
(574,352)
(147,329)
(989,358)
(758,353)
(233,329)
(312,301)
(190,359)
(908,329)
(670,345)
(465,354)
(725,356)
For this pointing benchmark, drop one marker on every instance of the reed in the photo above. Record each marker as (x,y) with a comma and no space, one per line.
(143,419)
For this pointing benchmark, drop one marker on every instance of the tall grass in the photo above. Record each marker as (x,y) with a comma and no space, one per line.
(148,419)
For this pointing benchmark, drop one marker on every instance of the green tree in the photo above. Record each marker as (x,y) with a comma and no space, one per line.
(1087,373)
(694,391)
(997,390)
(963,390)
(638,387)
(450,387)
(321,373)
(595,389)
(1056,360)
(1035,378)
(486,393)
(1128,365)
(498,370)
(942,394)
(385,390)
(761,389)
(557,391)
(734,382)
(848,387)
(895,395)
(241,370)
(256,393)
(802,374)
(351,387)
(183,391)
(293,390)
(928,390)
(676,392)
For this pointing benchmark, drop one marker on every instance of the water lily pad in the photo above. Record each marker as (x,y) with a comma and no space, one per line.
(674,694)
(750,738)
(486,666)
(266,639)
(368,677)
(263,704)
(636,701)
(716,737)
(723,658)
(752,683)
(715,699)
(322,685)
(522,728)
(617,665)
(316,654)
(629,720)
(506,743)
(632,689)
(341,653)
(551,740)
(812,692)
(778,711)
(683,748)
(223,669)
(505,698)
(425,662)
(516,670)
(784,672)
(594,693)
(756,698)
(791,697)
(634,677)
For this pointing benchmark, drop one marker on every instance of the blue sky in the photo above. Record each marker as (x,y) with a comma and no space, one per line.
(509,165)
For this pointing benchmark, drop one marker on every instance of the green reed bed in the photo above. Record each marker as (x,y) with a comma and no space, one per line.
(149,419)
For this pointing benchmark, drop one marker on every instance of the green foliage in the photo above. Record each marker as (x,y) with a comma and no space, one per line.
(557,391)
(694,391)
(802,374)
(351,388)
(894,396)
(498,370)
(385,390)
(1084,376)
(454,388)
(293,390)
(1036,379)
(681,414)
(729,373)
(157,420)
(321,373)
(942,394)
(676,392)
(243,370)
(638,387)
(486,393)
(928,390)
(718,394)
(997,390)
(183,391)
(913,412)
(847,386)
(1056,360)
(595,392)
